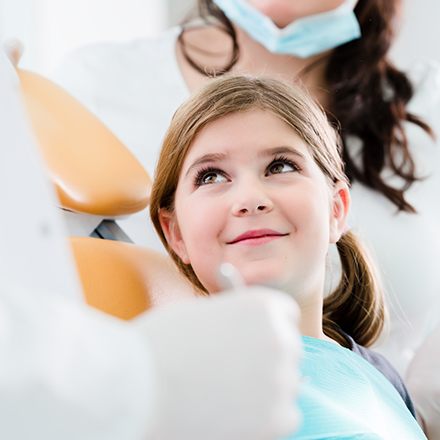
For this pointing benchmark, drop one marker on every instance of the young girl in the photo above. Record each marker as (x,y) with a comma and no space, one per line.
(250,174)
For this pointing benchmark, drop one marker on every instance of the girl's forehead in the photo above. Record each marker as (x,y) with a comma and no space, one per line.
(248,131)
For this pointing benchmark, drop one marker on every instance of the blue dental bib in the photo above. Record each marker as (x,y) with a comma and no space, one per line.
(345,397)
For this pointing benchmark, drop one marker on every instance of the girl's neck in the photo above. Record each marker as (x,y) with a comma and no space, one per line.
(309,295)
(211,47)
(310,322)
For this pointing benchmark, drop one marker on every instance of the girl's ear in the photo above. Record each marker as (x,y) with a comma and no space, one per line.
(171,230)
(340,207)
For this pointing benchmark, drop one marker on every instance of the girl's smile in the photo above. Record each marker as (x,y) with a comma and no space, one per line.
(251,194)
(250,174)
(256,237)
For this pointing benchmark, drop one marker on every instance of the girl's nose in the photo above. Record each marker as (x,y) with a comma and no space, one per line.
(252,206)
(251,197)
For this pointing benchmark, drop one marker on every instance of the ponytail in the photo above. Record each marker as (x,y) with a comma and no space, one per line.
(357,304)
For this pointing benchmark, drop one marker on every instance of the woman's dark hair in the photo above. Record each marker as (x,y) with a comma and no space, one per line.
(367,97)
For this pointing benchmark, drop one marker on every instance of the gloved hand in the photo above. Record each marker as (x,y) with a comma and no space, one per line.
(227,366)
(423,382)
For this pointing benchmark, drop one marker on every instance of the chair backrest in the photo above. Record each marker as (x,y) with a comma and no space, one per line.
(123,279)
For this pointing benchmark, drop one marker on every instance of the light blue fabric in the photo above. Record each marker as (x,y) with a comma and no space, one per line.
(304,37)
(345,397)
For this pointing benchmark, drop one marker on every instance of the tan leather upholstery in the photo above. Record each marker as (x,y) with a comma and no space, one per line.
(92,170)
(123,279)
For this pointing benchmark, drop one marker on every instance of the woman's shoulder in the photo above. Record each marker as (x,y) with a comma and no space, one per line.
(140,53)
(426,72)
(110,73)
(425,79)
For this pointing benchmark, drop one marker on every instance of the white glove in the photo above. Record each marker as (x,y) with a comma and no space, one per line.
(423,382)
(227,366)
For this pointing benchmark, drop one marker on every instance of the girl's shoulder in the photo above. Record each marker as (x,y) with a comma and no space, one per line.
(385,367)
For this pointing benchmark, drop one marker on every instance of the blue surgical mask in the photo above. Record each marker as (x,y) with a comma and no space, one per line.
(304,37)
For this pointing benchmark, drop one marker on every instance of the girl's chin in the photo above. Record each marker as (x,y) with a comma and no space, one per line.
(265,278)
(271,282)
(254,274)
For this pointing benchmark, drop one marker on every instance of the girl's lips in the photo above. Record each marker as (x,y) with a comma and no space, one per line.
(257,236)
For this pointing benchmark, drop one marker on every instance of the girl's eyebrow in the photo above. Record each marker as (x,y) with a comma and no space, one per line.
(216,157)
(206,158)
(283,149)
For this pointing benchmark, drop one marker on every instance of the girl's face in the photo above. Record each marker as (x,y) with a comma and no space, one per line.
(251,194)
(284,12)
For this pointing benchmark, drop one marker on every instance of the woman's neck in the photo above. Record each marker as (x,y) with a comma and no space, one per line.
(256,59)
(211,47)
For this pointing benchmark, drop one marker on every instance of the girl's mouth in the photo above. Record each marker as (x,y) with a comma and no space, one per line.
(257,236)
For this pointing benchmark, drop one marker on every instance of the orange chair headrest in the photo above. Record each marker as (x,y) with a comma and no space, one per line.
(92,170)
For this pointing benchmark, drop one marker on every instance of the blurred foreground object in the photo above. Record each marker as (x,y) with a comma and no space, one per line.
(13,49)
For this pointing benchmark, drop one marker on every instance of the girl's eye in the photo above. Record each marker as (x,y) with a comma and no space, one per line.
(209,176)
(281,165)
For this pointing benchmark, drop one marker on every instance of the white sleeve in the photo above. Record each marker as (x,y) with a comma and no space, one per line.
(68,372)
(77,75)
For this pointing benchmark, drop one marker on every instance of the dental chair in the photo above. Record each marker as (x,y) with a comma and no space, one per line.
(98,181)
(93,172)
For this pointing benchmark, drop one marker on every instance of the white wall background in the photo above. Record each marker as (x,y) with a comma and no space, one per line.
(419,36)
(49,28)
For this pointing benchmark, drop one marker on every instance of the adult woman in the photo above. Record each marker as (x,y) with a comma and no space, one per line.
(250,174)
(391,159)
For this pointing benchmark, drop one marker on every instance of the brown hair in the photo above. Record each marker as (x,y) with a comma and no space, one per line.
(357,305)
(368,96)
